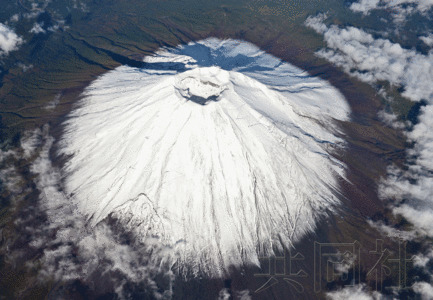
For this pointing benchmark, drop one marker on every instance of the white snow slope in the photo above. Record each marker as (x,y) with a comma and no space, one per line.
(215,148)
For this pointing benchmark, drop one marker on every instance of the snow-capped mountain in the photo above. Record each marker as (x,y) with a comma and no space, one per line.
(215,148)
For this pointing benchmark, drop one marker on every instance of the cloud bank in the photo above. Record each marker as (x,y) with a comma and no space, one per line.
(401,7)
(373,60)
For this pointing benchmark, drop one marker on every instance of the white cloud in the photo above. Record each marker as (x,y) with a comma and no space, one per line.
(392,232)
(30,141)
(372,60)
(33,14)
(80,5)
(224,294)
(9,40)
(60,24)
(11,179)
(428,39)
(421,218)
(424,289)
(402,7)
(415,184)
(343,262)
(36,9)
(357,292)
(24,67)
(421,260)
(316,23)
(53,103)
(244,295)
(37,28)
(390,119)
(365,6)
(7,154)
(15,18)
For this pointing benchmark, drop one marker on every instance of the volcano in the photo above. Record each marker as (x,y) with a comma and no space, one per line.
(216,149)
